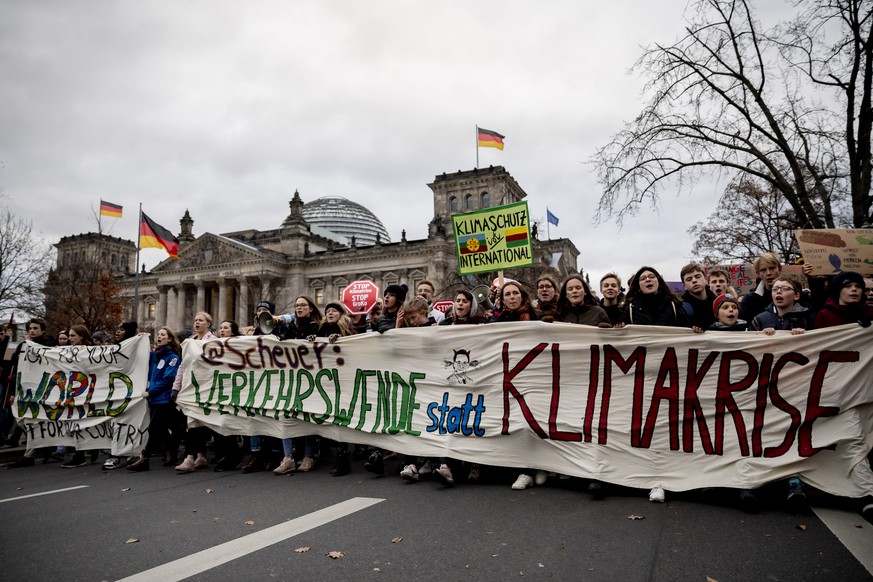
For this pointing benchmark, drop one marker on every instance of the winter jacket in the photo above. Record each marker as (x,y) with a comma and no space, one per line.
(798,318)
(517,315)
(740,325)
(163,366)
(835,314)
(387,321)
(583,314)
(655,310)
(699,311)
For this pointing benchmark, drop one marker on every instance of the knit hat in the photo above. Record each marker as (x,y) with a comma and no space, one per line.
(129,328)
(716,305)
(398,291)
(336,305)
(842,281)
(268,304)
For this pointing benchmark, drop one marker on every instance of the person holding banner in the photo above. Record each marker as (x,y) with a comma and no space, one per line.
(163,366)
(613,296)
(465,311)
(845,302)
(307,319)
(651,302)
(394,297)
(576,304)
(226,446)
(78,335)
(513,304)
(195,438)
(426,289)
(547,297)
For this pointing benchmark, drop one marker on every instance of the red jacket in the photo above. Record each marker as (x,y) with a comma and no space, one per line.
(835,314)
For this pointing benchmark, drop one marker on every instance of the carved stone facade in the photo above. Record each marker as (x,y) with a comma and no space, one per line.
(227,274)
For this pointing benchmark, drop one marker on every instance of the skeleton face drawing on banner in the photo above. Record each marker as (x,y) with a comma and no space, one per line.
(460,364)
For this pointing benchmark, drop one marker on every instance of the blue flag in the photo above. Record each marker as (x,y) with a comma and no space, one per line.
(551,217)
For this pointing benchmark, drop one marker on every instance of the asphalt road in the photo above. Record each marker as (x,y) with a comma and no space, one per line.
(230,526)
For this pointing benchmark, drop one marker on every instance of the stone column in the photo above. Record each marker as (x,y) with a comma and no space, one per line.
(180,306)
(161,309)
(201,295)
(171,309)
(243,311)
(222,300)
(140,312)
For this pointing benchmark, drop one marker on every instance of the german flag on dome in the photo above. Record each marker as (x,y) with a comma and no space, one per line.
(490,139)
(110,209)
(153,235)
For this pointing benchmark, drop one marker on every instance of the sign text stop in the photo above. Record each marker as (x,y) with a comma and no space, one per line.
(360,297)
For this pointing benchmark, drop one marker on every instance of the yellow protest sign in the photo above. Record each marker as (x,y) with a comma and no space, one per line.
(492,239)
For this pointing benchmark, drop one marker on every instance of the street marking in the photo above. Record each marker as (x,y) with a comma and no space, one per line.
(223,553)
(44,493)
(842,524)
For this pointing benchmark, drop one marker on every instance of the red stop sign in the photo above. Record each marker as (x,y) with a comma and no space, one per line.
(442,305)
(360,297)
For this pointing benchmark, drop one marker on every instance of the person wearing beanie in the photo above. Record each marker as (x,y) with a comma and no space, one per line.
(726,310)
(845,302)
(394,297)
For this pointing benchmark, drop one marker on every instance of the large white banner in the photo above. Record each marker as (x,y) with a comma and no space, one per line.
(640,406)
(89,397)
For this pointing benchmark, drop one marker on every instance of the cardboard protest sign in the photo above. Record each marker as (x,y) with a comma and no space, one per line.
(831,251)
(89,397)
(493,238)
(639,406)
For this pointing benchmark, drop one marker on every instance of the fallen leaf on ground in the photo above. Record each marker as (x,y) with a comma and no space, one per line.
(193,511)
(132,541)
(708,579)
(335,555)
(801,527)
(210,491)
(633,517)
(303,550)
(250,522)
(19,488)
(377,569)
(540,565)
(125,490)
(494,555)
(858,525)
(174,521)
(397,540)
(562,544)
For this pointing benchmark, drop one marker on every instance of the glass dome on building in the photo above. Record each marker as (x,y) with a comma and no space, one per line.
(346,218)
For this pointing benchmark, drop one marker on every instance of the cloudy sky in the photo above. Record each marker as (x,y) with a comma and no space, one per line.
(227,108)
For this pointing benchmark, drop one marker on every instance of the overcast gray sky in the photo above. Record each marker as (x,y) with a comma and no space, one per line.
(227,108)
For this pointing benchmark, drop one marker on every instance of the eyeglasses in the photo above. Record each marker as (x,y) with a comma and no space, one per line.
(647,277)
(545,287)
(302,305)
(783,288)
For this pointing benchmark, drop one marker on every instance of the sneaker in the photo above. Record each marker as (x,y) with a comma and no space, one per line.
(523,482)
(201,463)
(444,474)
(540,477)
(375,464)
(227,464)
(139,465)
(306,465)
(286,466)
(596,490)
(475,474)
(186,466)
(796,496)
(657,495)
(426,469)
(867,513)
(78,460)
(409,473)
(22,462)
(253,466)
(111,463)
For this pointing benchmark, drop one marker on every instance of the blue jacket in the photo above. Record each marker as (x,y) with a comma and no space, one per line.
(163,365)
(798,317)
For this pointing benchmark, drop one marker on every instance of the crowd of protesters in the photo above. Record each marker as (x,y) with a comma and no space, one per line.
(778,302)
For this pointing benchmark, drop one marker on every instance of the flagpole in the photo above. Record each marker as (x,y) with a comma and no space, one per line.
(548,222)
(477,147)
(135,307)
(100,218)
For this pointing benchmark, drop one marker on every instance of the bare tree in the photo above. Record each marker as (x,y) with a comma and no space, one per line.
(726,98)
(84,293)
(25,260)
(748,221)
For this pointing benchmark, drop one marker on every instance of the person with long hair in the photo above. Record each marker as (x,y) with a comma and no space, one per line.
(227,453)
(307,318)
(576,304)
(195,438)
(513,304)
(78,335)
(163,367)
(650,301)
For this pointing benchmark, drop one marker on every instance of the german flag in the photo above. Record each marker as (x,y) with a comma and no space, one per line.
(516,237)
(153,235)
(110,209)
(490,139)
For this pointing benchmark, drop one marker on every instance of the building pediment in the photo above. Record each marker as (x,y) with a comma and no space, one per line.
(211,250)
